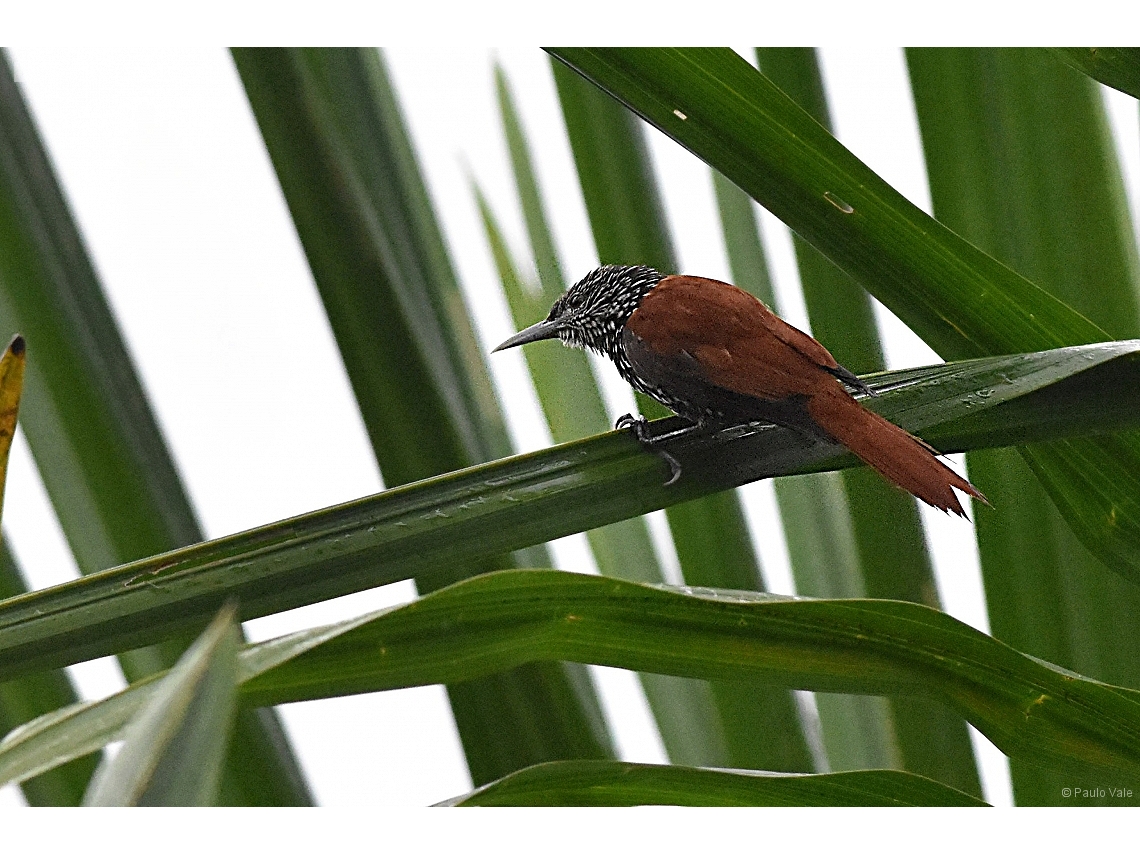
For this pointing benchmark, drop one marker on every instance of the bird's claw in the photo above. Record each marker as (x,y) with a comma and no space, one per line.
(639,426)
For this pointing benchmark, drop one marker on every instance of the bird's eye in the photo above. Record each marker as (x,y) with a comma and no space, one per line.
(562,307)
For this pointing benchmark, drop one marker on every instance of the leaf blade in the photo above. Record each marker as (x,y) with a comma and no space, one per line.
(630,784)
(1115,67)
(1028,707)
(886,547)
(174,747)
(1020,163)
(334,130)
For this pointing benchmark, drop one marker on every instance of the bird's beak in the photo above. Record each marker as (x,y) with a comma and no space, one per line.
(537,332)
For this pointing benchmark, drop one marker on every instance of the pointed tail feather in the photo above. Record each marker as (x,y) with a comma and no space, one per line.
(902,459)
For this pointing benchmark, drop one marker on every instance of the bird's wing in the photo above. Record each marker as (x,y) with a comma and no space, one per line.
(734,340)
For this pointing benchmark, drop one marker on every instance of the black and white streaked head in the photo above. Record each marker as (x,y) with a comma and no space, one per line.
(594,311)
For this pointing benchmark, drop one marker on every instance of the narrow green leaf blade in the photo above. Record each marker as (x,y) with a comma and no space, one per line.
(335,134)
(551,282)
(1021,163)
(174,748)
(627,215)
(28,697)
(887,551)
(856,731)
(77,729)
(82,389)
(70,732)
(585,784)
(1115,67)
(1027,707)
(359,208)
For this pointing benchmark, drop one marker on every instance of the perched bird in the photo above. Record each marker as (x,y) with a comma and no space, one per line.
(717,356)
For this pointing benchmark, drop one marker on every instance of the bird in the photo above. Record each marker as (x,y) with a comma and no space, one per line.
(717,357)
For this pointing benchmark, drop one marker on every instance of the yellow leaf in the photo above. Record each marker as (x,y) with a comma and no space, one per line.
(11,385)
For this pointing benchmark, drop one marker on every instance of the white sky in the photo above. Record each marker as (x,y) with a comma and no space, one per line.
(173,190)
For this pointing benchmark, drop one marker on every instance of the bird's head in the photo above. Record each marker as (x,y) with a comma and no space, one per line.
(592,313)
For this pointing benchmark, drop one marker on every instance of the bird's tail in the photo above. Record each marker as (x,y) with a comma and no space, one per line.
(902,459)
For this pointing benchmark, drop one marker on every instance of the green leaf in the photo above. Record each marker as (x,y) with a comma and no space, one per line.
(958,299)
(562,377)
(1027,707)
(28,697)
(82,391)
(174,748)
(335,134)
(486,510)
(1021,163)
(527,306)
(586,784)
(1115,67)
(878,533)
(627,216)
(112,481)
(370,238)
(856,731)
(80,728)
(70,732)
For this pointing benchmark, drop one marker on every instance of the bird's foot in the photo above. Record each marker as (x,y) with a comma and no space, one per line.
(639,427)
